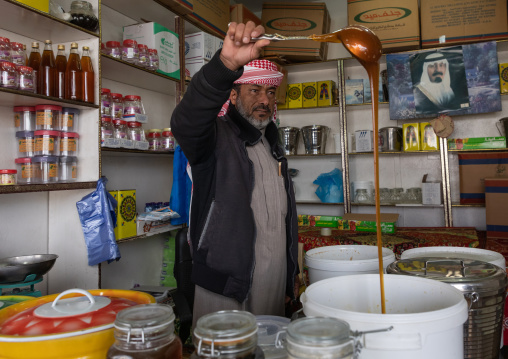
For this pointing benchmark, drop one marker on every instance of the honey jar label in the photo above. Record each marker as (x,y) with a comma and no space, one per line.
(67,119)
(67,144)
(44,144)
(53,170)
(27,171)
(17,120)
(26,145)
(44,118)
(74,172)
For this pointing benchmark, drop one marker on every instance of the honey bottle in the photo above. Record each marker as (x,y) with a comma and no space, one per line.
(35,63)
(48,70)
(61,67)
(88,76)
(74,76)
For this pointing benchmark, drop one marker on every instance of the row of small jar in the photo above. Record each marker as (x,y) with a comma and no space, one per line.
(46,117)
(47,143)
(41,169)
(132,52)
(118,106)
(390,196)
(158,140)
(16,77)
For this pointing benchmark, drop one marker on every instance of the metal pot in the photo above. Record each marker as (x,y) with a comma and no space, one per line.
(484,287)
(390,139)
(18,269)
(314,139)
(288,138)
(75,327)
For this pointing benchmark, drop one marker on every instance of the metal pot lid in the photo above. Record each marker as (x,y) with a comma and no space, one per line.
(316,331)
(464,274)
(388,127)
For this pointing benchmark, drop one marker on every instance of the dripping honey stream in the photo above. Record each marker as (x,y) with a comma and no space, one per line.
(365,46)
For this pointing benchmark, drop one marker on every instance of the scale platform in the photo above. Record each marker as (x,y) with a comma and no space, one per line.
(22,288)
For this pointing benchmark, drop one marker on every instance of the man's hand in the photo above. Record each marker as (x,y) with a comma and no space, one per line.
(237,49)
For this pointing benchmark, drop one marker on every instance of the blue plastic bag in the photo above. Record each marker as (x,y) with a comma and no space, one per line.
(330,188)
(181,190)
(98,219)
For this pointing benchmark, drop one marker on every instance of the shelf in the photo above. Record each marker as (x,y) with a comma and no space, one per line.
(367,104)
(321,155)
(110,150)
(395,153)
(479,205)
(317,202)
(480,150)
(122,71)
(406,205)
(10,97)
(38,25)
(47,187)
(146,235)
(326,108)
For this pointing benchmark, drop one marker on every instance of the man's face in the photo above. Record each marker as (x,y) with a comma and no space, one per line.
(255,103)
(436,71)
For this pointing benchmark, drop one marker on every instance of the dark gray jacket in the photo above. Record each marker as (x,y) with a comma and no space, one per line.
(222,227)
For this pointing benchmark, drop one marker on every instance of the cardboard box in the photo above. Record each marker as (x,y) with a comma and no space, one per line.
(42,5)
(474,168)
(326,93)
(503,77)
(431,193)
(153,227)
(281,92)
(411,136)
(451,22)
(294,96)
(125,213)
(354,92)
(302,19)
(496,204)
(199,45)
(395,22)
(179,6)
(191,68)
(367,222)
(310,95)
(428,138)
(241,14)
(318,221)
(367,95)
(364,141)
(165,41)
(212,14)
(476,143)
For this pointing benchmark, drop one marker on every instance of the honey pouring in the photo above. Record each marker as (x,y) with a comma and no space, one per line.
(365,46)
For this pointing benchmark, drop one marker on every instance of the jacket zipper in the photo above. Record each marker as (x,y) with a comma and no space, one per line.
(207,222)
(252,179)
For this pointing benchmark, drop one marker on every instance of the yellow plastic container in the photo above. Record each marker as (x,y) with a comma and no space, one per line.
(428,138)
(309,90)
(125,213)
(411,136)
(326,92)
(294,96)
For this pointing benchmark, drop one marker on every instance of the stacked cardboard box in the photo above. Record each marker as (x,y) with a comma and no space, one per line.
(199,49)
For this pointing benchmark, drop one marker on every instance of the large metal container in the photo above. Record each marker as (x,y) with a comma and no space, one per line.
(314,139)
(390,139)
(288,138)
(484,287)
(502,126)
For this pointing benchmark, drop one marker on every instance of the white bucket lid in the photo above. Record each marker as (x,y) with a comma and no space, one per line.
(478,254)
(355,258)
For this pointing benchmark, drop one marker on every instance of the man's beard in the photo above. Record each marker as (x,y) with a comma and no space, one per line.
(250,118)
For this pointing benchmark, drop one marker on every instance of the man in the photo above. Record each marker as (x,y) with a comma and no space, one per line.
(433,93)
(243,223)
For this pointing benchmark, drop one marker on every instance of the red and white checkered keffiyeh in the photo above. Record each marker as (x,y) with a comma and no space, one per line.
(259,72)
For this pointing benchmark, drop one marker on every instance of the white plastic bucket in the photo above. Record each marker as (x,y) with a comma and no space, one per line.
(478,254)
(334,261)
(427,316)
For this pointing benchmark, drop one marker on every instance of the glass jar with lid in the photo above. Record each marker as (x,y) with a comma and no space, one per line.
(24,118)
(167,140)
(145,332)
(106,128)
(154,140)
(9,77)
(120,129)
(83,15)
(136,132)
(5,49)
(143,55)
(105,102)
(132,104)
(153,60)
(130,51)
(319,338)
(114,49)
(228,334)
(68,169)
(117,106)
(26,78)
(18,53)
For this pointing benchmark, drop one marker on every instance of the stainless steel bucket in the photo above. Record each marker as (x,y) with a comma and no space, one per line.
(390,139)
(314,139)
(288,138)
(484,287)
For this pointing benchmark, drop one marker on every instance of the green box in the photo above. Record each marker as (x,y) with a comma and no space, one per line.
(367,222)
(475,143)
(318,221)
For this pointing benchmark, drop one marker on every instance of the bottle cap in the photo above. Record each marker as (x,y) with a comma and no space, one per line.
(47,42)
(35,44)
(61,47)
(86,48)
(74,45)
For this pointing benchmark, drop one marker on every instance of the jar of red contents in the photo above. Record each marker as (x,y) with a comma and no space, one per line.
(130,51)
(5,49)
(136,132)
(9,77)
(120,130)
(113,49)
(26,78)
(105,102)
(168,141)
(117,106)
(132,104)
(143,55)
(153,60)
(18,53)
(154,140)
(145,331)
(8,177)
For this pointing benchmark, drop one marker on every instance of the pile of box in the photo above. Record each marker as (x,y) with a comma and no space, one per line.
(199,49)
